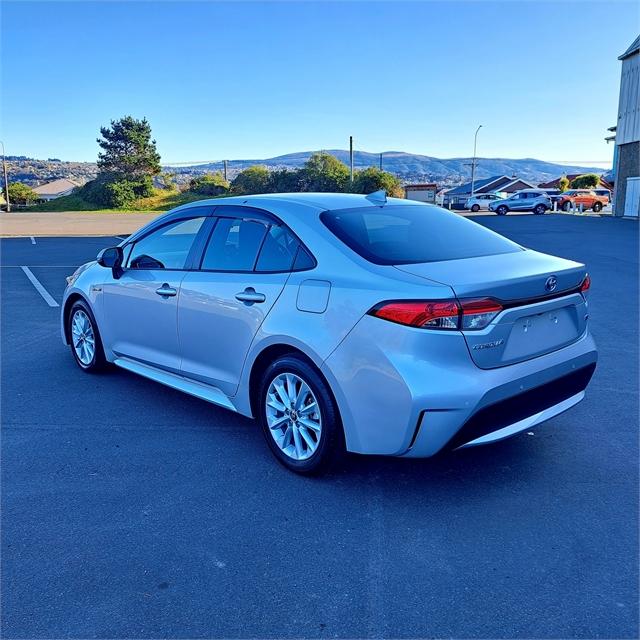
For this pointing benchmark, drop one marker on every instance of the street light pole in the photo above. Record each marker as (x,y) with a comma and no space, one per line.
(473,162)
(6,181)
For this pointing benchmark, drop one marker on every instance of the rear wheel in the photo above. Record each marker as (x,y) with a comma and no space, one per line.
(597,206)
(84,338)
(566,206)
(539,209)
(475,208)
(299,417)
(502,210)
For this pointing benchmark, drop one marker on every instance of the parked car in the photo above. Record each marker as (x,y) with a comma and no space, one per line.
(481,201)
(573,198)
(605,193)
(526,200)
(340,321)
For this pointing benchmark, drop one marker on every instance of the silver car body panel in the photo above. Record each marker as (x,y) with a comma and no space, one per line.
(400,390)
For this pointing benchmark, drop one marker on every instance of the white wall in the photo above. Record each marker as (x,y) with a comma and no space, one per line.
(628,126)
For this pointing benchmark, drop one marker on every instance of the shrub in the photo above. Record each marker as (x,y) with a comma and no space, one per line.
(20,193)
(255,179)
(586,181)
(372,179)
(210,184)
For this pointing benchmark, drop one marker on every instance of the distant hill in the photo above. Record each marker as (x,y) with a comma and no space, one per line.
(409,167)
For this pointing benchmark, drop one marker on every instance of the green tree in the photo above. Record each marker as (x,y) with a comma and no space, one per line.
(372,179)
(209,184)
(286,181)
(20,193)
(586,181)
(324,172)
(563,184)
(128,151)
(254,179)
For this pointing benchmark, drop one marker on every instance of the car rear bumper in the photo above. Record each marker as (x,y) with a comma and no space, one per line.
(414,392)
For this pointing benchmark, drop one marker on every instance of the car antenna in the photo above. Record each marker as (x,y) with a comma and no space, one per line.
(377,197)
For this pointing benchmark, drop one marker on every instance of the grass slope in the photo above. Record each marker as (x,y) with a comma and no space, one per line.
(161,200)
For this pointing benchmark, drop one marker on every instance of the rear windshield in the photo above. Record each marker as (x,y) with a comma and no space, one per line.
(407,234)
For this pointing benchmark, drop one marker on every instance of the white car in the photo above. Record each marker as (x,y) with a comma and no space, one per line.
(378,325)
(481,201)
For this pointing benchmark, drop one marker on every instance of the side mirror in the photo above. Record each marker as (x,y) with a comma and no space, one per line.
(111,258)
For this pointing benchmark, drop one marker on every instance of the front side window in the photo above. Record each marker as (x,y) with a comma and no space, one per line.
(234,245)
(407,234)
(166,248)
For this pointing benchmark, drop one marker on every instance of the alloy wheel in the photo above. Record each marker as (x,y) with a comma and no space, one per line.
(293,416)
(84,339)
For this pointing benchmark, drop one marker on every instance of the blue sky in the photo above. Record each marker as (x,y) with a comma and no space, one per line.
(251,80)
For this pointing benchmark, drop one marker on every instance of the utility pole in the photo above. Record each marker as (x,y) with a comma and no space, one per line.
(351,159)
(225,170)
(6,180)
(473,162)
(380,162)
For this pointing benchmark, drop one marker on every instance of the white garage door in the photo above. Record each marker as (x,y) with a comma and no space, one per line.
(632,198)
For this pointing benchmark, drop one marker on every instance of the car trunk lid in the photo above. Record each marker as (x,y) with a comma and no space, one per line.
(543,309)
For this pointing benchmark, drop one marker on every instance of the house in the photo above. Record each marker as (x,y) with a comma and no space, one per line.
(626,200)
(555,183)
(501,185)
(425,192)
(55,189)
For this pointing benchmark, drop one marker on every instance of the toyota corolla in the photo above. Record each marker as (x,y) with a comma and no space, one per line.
(340,322)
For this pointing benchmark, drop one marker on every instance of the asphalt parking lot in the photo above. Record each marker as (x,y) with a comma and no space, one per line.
(130,510)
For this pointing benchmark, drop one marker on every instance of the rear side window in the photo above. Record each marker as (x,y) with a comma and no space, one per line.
(278,250)
(412,234)
(234,245)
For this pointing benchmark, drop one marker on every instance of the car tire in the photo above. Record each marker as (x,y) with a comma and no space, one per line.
(84,338)
(566,206)
(597,206)
(298,446)
(502,210)
(475,208)
(539,209)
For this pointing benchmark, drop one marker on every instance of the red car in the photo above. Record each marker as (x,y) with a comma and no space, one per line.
(573,198)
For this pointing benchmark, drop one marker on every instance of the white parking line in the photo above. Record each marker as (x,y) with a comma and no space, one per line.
(39,288)
(33,240)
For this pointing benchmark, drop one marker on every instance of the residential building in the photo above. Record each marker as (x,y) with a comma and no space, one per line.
(55,189)
(555,183)
(626,200)
(425,192)
(501,185)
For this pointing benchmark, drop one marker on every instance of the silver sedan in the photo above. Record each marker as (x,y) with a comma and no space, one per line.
(340,322)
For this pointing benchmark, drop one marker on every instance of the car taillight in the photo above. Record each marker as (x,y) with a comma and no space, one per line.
(477,314)
(586,284)
(440,314)
(435,314)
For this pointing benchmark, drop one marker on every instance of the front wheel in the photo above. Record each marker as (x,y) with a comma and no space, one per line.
(566,206)
(502,210)
(475,208)
(84,338)
(299,417)
(539,209)
(597,206)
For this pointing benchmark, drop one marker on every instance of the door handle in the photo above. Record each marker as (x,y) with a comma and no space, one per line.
(166,291)
(250,296)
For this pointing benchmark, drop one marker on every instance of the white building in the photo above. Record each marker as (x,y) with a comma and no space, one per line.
(55,189)
(627,153)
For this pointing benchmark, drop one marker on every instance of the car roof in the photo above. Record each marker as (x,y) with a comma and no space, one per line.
(320,201)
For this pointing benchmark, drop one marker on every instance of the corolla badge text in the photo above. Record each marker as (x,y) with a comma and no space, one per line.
(488,345)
